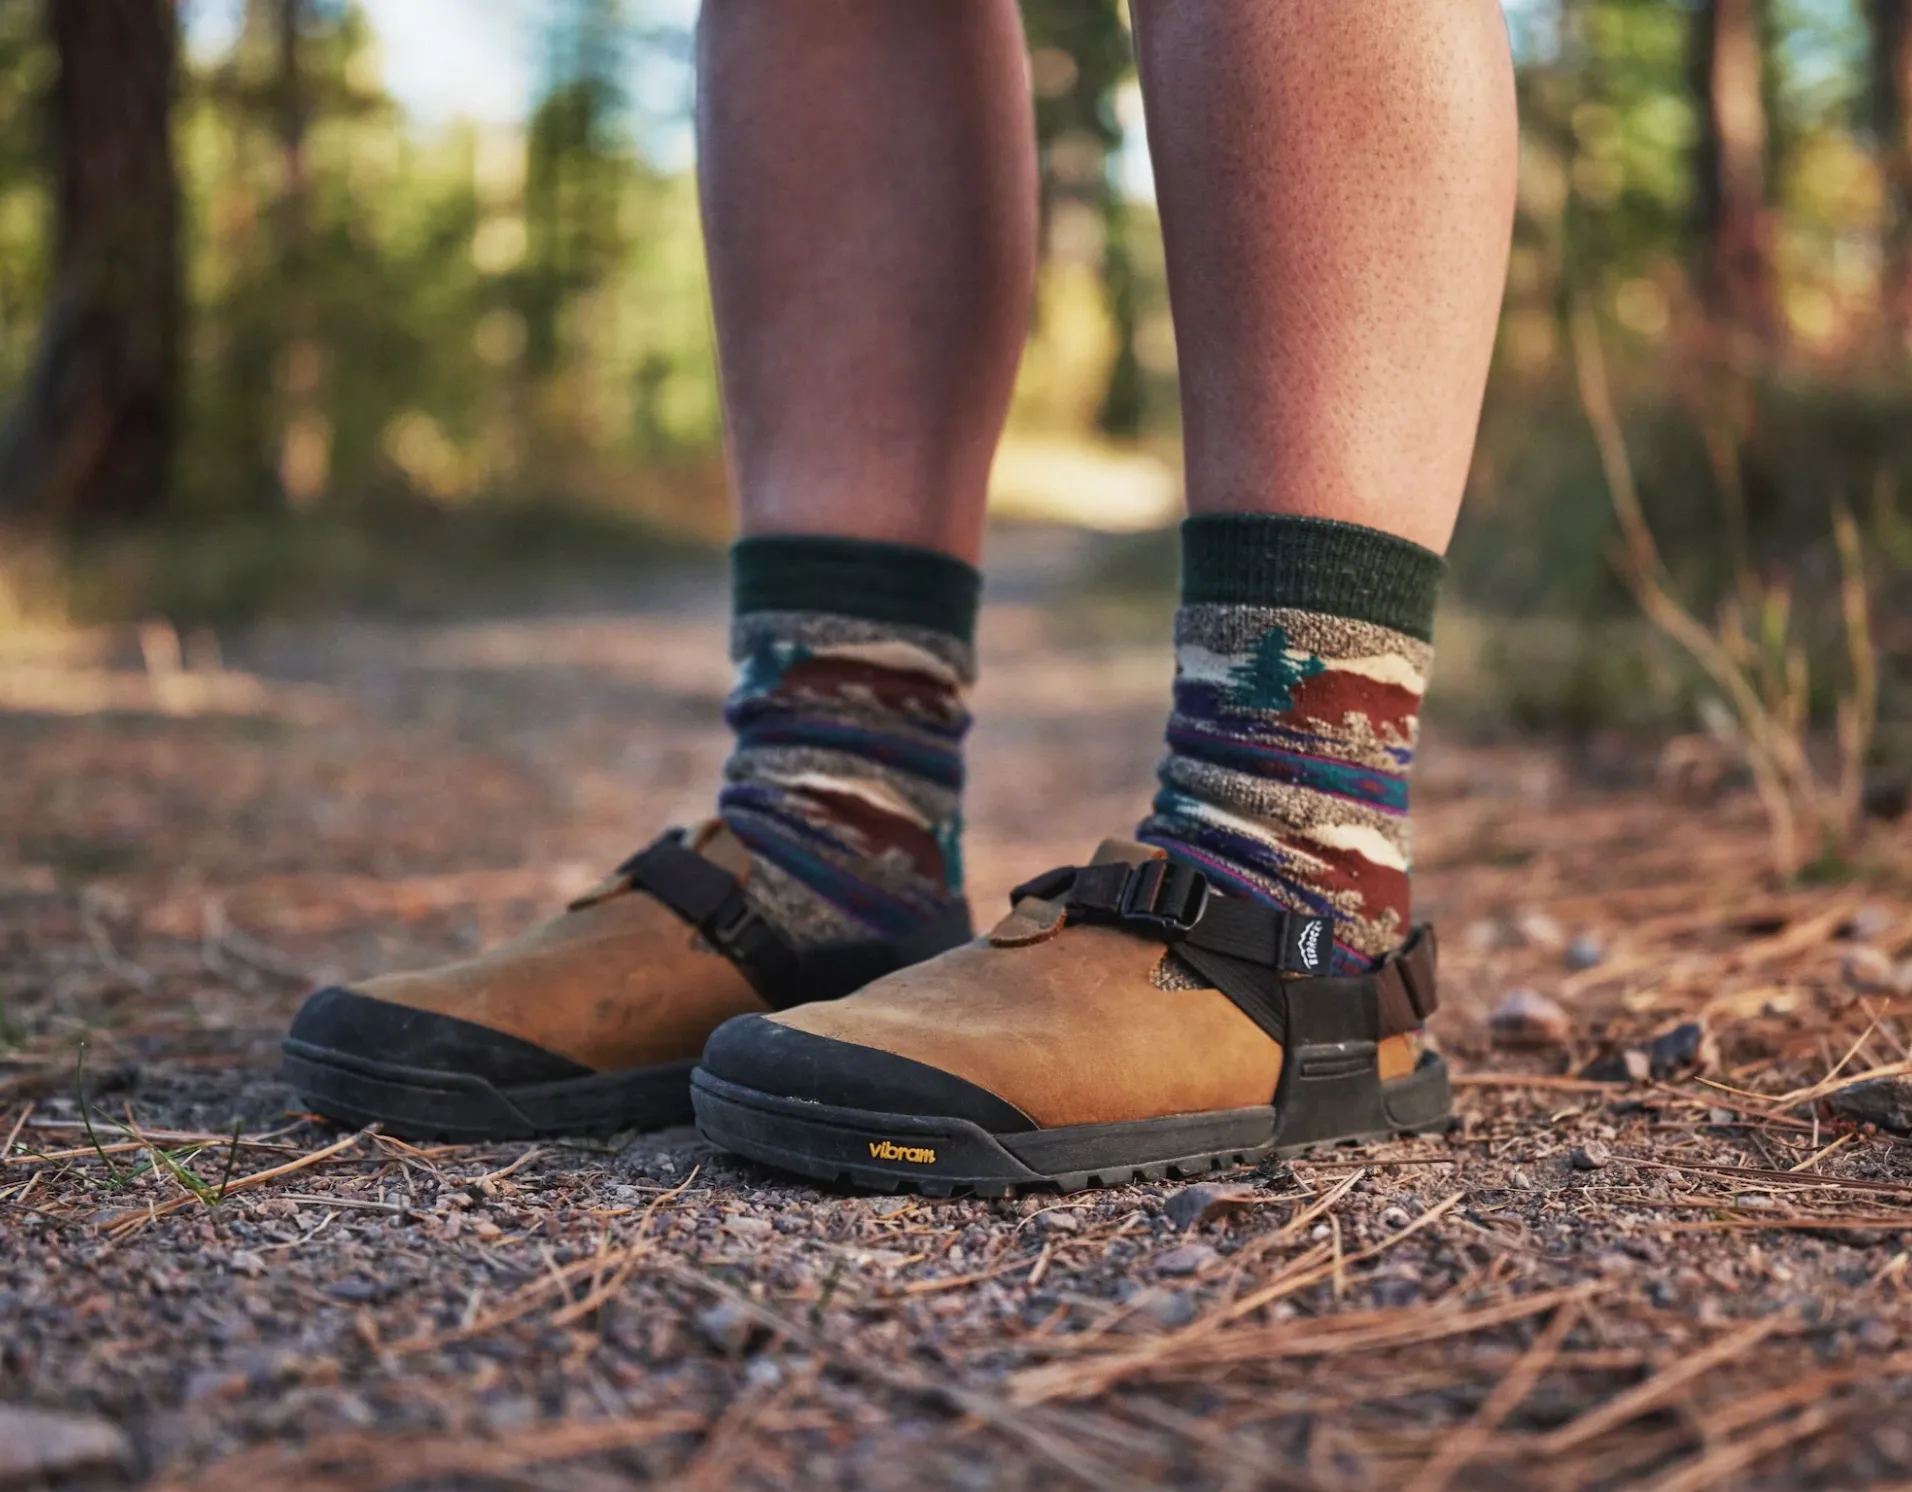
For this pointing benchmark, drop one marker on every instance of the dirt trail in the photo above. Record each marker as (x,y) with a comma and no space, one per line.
(1696,1280)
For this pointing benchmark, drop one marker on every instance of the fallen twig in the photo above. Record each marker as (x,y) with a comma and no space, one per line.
(1458,1449)
(133,1219)
(1648,1396)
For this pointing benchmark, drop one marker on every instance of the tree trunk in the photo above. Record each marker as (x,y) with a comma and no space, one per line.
(1892,115)
(305,429)
(1735,216)
(92,438)
(1080,53)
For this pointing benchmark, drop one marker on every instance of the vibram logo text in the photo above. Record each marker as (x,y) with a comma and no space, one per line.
(916,1155)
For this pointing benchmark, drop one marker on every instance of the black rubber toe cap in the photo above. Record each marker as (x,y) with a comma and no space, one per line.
(342,1023)
(755,1052)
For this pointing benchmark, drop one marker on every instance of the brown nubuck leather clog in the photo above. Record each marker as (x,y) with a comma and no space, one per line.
(588,1024)
(1123,1022)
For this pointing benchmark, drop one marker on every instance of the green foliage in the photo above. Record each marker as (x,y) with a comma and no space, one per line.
(26,64)
(380,313)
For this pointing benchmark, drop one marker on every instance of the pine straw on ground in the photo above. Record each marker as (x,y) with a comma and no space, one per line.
(1693,1281)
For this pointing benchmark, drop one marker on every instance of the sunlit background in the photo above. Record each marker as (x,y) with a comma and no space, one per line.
(455,297)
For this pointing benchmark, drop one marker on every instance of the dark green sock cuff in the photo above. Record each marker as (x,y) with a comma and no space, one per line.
(1310,564)
(896,583)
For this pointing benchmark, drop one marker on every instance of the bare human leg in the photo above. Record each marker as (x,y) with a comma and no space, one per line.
(869,190)
(869,187)
(1337,195)
(1337,188)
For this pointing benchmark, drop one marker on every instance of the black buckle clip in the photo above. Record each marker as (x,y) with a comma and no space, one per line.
(1167,897)
(736,927)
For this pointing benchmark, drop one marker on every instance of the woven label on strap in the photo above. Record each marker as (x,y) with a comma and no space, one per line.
(1308,945)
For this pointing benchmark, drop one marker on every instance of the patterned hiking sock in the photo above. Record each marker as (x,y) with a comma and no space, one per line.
(853,659)
(1301,652)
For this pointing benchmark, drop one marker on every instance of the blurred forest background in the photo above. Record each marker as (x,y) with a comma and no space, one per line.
(327,354)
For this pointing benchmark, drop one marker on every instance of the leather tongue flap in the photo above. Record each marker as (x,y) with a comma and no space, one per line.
(604,890)
(1126,852)
(712,839)
(1033,920)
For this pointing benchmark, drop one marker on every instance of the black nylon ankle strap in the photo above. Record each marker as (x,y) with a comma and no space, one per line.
(712,900)
(1268,960)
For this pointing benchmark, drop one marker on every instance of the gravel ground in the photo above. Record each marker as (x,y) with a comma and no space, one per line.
(1694,1275)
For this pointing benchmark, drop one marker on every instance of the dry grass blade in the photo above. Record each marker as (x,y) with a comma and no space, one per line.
(373,1463)
(1650,1395)
(1809,1223)
(1768,695)
(1322,1204)
(133,1219)
(1720,1462)
(1006,1417)
(609,1285)
(557,1279)
(1460,1448)
(1081,1379)
(1532,1079)
(6,1146)
(1826,1087)
(1800,1179)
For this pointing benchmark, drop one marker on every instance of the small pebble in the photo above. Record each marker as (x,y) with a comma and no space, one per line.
(1686,1047)
(1628,1066)
(1396,1218)
(1197,1204)
(1528,1018)
(1876,1335)
(37,1445)
(1189,1258)
(1520,1181)
(1167,1308)
(726,1326)
(244,1261)
(1060,1220)
(1484,936)
(1396,1292)
(1886,1102)
(1585,952)
(1592,1156)
(1869,922)
(1541,930)
(763,1372)
(1868,970)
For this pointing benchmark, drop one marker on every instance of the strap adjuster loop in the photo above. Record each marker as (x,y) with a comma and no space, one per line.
(1167,897)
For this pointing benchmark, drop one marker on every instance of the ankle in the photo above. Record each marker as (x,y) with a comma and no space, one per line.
(854,659)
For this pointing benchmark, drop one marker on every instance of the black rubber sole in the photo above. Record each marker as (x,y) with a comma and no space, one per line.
(942,1156)
(423,1103)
